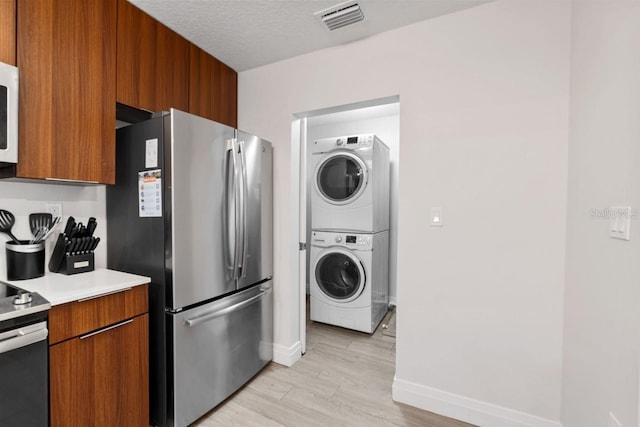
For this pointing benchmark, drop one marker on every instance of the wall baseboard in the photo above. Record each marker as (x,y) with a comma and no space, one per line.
(463,408)
(287,356)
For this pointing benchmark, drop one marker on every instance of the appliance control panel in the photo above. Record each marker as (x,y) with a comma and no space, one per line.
(350,142)
(343,239)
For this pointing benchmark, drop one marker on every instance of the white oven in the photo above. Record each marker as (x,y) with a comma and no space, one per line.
(8,114)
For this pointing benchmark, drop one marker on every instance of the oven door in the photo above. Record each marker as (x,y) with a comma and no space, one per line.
(24,378)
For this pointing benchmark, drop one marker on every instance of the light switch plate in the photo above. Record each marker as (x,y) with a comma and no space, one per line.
(436,216)
(620,222)
(151,153)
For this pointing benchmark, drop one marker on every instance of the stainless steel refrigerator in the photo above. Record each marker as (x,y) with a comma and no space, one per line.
(192,209)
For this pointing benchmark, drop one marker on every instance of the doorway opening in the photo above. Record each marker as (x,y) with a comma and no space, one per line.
(380,117)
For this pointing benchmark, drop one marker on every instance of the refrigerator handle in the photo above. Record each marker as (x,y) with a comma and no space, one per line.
(195,321)
(243,210)
(230,209)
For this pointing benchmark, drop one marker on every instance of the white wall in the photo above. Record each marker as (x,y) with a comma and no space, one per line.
(384,121)
(484,95)
(23,198)
(602,299)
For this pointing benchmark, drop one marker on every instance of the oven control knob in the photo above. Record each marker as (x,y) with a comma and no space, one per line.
(22,298)
(338,239)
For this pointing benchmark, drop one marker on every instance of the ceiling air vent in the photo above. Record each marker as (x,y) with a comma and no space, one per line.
(341,15)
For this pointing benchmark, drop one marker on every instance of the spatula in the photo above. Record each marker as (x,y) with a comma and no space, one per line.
(38,222)
(6,223)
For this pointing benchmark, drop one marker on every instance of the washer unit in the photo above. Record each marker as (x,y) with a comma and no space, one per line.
(350,184)
(349,279)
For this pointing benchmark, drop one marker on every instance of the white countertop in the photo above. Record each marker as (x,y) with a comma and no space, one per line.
(59,288)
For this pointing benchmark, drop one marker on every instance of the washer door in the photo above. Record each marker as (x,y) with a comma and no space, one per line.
(341,177)
(340,275)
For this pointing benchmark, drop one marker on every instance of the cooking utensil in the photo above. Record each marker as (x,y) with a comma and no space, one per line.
(74,246)
(82,230)
(42,232)
(46,235)
(38,235)
(38,221)
(74,232)
(83,244)
(95,244)
(91,226)
(6,223)
(71,222)
(87,245)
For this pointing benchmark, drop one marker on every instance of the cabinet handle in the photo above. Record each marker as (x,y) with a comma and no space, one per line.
(104,294)
(71,181)
(117,325)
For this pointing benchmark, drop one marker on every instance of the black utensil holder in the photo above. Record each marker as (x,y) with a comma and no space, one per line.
(24,260)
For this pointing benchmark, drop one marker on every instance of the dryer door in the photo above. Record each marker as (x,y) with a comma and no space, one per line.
(340,275)
(341,177)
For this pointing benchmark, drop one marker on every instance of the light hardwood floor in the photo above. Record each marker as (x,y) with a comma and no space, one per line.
(344,379)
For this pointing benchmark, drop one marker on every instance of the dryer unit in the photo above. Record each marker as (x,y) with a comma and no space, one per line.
(349,279)
(350,184)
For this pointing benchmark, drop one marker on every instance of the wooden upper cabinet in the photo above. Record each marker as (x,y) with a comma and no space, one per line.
(8,31)
(66,53)
(153,62)
(213,88)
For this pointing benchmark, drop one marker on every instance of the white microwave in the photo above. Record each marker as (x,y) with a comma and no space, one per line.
(8,113)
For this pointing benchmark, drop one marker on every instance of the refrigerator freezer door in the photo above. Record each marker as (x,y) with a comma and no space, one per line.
(218,347)
(199,162)
(256,199)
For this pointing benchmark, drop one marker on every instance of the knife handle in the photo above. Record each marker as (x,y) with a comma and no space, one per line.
(95,244)
(71,222)
(91,226)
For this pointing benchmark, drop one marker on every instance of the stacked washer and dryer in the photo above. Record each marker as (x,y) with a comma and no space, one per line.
(349,267)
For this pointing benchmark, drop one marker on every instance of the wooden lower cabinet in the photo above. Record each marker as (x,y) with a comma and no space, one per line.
(101,378)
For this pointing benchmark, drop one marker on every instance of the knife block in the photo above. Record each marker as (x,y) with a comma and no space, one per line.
(81,263)
(67,263)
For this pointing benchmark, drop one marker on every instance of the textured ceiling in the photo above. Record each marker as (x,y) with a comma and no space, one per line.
(245,34)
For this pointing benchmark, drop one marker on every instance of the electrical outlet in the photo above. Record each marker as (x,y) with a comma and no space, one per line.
(55,209)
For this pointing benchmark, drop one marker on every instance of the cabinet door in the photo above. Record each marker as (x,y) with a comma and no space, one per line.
(153,62)
(172,81)
(102,378)
(8,31)
(213,88)
(67,57)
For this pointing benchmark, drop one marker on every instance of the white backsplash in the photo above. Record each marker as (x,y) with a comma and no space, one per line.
(81,202)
